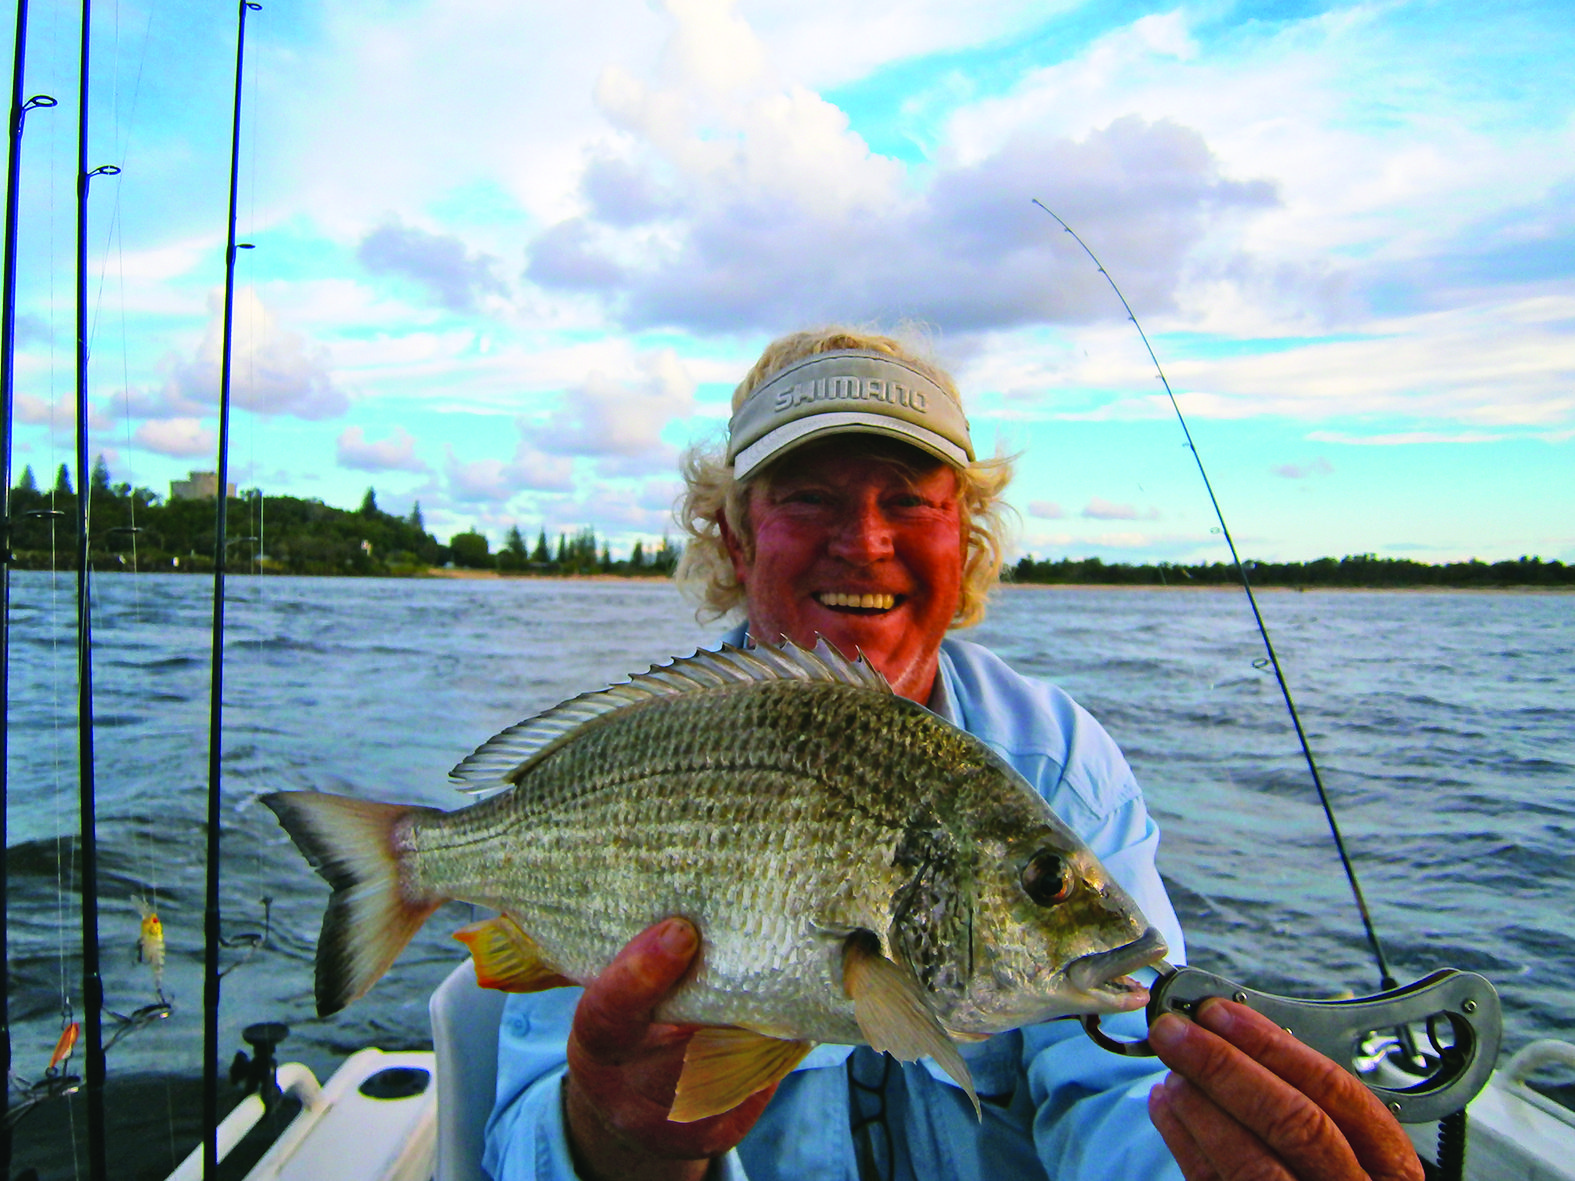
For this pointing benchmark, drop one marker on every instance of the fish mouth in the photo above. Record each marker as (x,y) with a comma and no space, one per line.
(860,603)
(1104,973)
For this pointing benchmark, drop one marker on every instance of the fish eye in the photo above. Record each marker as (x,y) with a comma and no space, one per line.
(1047,879)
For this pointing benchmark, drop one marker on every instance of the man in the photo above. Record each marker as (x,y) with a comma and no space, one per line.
(849,505)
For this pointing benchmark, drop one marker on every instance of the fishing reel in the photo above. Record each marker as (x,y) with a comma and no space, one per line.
(1457,1012)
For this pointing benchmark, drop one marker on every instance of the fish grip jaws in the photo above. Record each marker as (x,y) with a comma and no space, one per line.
(1338,1029)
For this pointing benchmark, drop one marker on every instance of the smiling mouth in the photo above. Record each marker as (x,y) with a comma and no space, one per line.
(866,604)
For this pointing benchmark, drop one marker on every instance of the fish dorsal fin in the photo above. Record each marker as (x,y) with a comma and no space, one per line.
(890,1007)
(724,1066)
(502,759)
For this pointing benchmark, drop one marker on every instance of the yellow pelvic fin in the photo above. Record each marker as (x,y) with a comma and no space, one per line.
(508,959)
(724,1066)
(890,1006)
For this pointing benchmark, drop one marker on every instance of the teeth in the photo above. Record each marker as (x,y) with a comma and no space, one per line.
(867,602)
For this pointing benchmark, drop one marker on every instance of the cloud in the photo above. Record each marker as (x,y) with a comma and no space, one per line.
(1477,367)
(621,193)
(397,453)
(734,200)
(566,257)
(1046,509)
(1104,510)
(622,419)
(274,370)
(1294,471)
(182,438)
(37,412)
(496,481)
(451,276)
(31,329)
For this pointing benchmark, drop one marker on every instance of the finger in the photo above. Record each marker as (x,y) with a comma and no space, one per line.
(1375,1136)
(1189,1154)
(616,1009)
(1290,1125)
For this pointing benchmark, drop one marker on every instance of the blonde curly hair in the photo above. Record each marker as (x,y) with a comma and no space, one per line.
(705,573)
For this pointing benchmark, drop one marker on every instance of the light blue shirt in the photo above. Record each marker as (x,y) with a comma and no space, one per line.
(1055,1105)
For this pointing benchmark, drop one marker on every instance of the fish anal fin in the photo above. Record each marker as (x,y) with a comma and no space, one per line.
(893,1014)
(508,959)
(724,1066)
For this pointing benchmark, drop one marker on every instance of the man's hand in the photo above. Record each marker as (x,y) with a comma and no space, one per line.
(624,1067)
(1248,1102)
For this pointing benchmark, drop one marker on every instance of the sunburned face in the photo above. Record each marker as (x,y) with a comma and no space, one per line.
(849,546)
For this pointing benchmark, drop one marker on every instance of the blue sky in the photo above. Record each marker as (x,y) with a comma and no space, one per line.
(512,256)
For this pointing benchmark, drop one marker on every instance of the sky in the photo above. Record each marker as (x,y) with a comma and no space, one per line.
(510,257)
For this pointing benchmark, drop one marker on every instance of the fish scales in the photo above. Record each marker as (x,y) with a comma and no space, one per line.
(740,809)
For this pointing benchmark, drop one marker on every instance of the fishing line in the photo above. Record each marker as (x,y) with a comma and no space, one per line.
(1386,979)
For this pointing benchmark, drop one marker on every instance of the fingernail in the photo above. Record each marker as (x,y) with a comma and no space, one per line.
(1214,1014)
(678,937)
(1168,1032)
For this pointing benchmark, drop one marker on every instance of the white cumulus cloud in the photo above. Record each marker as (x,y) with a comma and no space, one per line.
(397,453)
(183,438)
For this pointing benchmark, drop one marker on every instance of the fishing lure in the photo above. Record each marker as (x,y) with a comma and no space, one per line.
(63,1048)
(150,942)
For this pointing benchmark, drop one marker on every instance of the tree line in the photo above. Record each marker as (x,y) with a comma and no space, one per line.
(1354,570)
(136,529)
(577,554)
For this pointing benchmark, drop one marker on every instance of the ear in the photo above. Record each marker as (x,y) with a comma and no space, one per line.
(735,546)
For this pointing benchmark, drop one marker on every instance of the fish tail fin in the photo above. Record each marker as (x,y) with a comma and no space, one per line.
(372,913)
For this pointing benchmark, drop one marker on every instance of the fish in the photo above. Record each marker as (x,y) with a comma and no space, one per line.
(150,941)
(860,870)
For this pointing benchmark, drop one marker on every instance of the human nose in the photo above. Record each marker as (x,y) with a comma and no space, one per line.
(863,535)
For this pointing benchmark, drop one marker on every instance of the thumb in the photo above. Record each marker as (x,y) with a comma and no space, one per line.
(619,1003)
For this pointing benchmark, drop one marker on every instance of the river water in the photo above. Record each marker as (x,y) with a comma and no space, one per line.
(1443,723)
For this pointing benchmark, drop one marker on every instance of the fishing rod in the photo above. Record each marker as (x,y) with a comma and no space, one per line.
(1386,978)
(212,937)
(19,110)
(92,981)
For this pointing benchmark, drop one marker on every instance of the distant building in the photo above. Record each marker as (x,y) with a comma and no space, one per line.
(199,486)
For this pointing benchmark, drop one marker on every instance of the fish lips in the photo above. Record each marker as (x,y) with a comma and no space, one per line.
(1101,976)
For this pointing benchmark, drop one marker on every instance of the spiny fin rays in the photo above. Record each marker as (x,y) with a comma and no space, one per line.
(503,759)
(889,1005)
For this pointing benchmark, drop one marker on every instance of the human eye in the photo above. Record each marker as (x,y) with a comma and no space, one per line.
(810,497)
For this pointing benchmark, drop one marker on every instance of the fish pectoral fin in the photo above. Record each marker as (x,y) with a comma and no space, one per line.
(724,1066)
(508,959)
(891,1009)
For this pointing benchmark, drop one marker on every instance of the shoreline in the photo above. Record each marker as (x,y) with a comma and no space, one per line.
(465,574)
